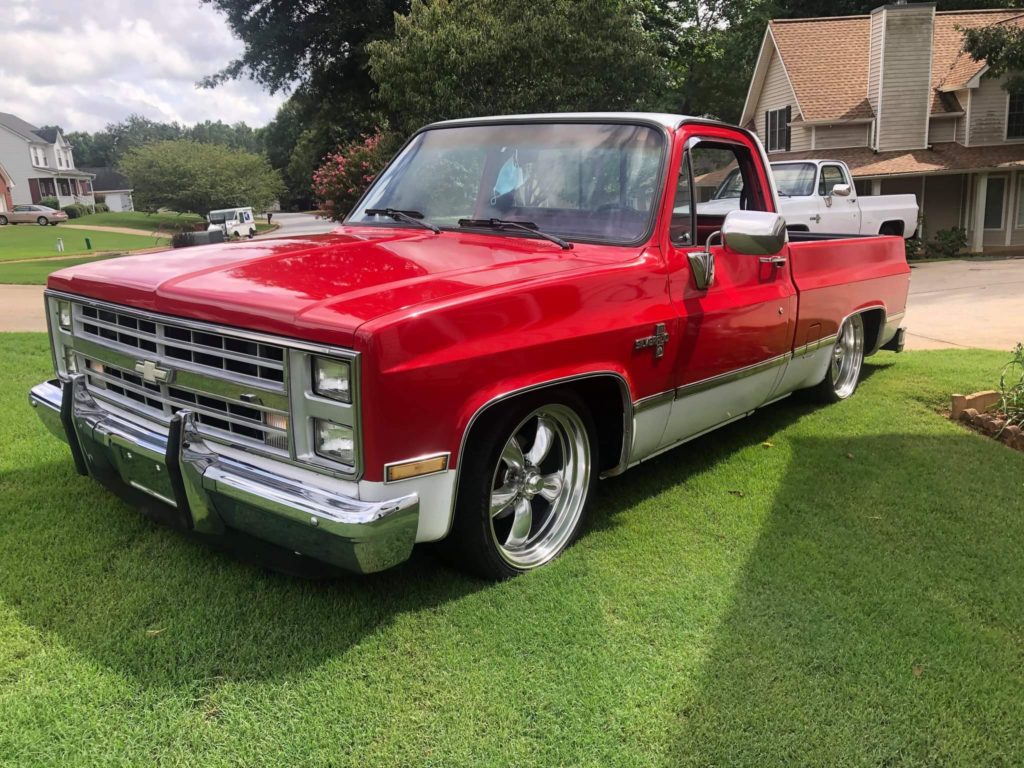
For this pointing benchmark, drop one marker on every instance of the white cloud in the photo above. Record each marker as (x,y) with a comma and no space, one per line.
(84,63)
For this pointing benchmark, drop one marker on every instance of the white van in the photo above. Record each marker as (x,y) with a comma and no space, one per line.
(233,222)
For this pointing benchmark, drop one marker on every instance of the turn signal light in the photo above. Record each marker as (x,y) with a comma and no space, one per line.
(415,468)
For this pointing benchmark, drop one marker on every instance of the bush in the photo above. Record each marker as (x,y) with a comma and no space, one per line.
(915,249)
(75,211)
(186,239)
(1011,388)
(102,208)
(50,202)
(947,244)
(344,175)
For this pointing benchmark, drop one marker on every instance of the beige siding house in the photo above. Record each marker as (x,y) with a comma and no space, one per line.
(894,96)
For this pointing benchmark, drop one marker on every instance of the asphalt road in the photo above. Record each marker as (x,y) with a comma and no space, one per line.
(952,304)
(298,224)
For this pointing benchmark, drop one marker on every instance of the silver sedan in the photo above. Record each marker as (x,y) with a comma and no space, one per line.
(33,214)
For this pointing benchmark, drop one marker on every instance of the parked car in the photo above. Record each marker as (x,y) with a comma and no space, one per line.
(819,196)
(515,309)
(233,222)
(33,214)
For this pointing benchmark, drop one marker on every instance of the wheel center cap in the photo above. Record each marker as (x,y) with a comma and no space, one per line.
(533,483)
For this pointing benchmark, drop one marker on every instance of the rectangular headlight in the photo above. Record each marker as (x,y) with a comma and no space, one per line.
(333,379)
(64,314)
(335,442)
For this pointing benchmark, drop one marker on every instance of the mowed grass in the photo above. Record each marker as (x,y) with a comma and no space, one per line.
(35,272)
(28,241)
(810,586)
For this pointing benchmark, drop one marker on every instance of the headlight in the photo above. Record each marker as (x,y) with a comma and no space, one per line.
(333,379)
(335,442)
(64,314)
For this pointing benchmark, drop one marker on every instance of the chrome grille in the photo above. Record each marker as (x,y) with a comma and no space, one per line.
(252,422)
(203,350)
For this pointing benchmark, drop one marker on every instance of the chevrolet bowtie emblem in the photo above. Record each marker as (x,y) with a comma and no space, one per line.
(658,341)
(151,374)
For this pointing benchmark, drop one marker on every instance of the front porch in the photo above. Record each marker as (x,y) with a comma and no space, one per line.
(68,189)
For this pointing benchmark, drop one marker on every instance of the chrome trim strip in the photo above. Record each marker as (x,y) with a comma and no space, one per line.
(814,346)
(652,401)
(734,375)
(447,465)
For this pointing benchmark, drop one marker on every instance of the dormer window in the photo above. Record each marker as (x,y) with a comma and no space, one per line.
(1015,117)
(776,129)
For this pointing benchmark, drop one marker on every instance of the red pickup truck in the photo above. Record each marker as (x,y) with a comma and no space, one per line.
(517,307)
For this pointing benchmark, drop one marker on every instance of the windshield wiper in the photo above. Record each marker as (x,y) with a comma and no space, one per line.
(525,226)
(410,217)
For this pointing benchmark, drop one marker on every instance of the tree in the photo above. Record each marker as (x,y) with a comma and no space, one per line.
(459,58)
(187,176)
(1001,46)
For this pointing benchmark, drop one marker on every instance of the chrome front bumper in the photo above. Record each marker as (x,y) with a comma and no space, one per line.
(205,492)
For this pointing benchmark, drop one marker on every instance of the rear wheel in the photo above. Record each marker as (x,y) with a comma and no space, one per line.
(41,221)
(527,475)
(845,364)
(252,233)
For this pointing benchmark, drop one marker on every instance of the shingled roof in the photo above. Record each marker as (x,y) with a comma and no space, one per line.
(839,91)
(946,157)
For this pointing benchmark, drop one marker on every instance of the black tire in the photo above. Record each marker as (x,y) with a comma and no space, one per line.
(3,221)
(252,233)
(42,221)
(845,363)
(473,542)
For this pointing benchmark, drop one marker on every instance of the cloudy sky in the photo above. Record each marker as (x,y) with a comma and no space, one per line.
(82,64)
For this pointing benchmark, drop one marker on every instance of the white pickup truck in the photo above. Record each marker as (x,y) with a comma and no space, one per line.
(819,196)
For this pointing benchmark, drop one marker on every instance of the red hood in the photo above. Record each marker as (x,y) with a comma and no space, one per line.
(320,288)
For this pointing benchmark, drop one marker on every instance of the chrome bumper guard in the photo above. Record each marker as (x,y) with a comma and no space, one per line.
(205,492)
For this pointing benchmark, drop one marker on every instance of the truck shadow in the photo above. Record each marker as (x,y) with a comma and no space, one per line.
(876,618)
(143,600)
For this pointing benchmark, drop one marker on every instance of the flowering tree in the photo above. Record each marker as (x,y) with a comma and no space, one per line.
(344,175)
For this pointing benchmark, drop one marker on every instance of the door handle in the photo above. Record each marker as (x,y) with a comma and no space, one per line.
(775,261)
(816,218)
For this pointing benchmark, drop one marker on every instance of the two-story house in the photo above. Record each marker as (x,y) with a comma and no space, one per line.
(39,163)
(894,95)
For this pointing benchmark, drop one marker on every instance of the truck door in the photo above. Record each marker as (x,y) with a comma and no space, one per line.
(839,213)
(735,335)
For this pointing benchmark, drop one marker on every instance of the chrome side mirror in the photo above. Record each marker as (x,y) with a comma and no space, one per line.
(754,233)
(841,190)
(702,265)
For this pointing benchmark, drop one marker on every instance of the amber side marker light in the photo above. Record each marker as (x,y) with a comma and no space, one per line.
(415,468)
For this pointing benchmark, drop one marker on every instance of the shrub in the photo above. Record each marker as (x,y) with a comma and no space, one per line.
(1011,387)
(185,239)
(344,175)
(102,208)
(75,211)
(947,244)
(50,202)
(915,249)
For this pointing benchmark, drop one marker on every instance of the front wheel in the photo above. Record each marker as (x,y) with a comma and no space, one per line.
(41,221)
(3,221)
(527,475)
(845,363)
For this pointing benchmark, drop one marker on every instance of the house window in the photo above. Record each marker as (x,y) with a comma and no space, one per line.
(994,199)
(776,129)
(1015,117)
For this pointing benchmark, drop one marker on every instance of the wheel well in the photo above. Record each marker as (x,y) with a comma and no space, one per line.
(891,228)
(603,394)
(873,323)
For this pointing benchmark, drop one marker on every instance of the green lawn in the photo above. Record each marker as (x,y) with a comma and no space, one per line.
(28,241)
(811,586)
(149,222)
(36,272)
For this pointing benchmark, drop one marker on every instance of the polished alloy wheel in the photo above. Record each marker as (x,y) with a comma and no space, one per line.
(540,486)
(848,356)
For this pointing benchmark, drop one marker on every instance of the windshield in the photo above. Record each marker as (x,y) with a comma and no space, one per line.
(576,180)
(794,179)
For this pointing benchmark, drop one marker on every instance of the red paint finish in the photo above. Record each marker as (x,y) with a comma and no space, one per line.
(445,323)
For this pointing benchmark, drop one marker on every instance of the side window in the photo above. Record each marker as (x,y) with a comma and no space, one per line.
(830,176)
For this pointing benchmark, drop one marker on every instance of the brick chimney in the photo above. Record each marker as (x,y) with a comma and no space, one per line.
(900,73)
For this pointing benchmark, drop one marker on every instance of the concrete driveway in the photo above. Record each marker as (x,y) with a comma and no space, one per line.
(966,304)
(952,303)
(298,224)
